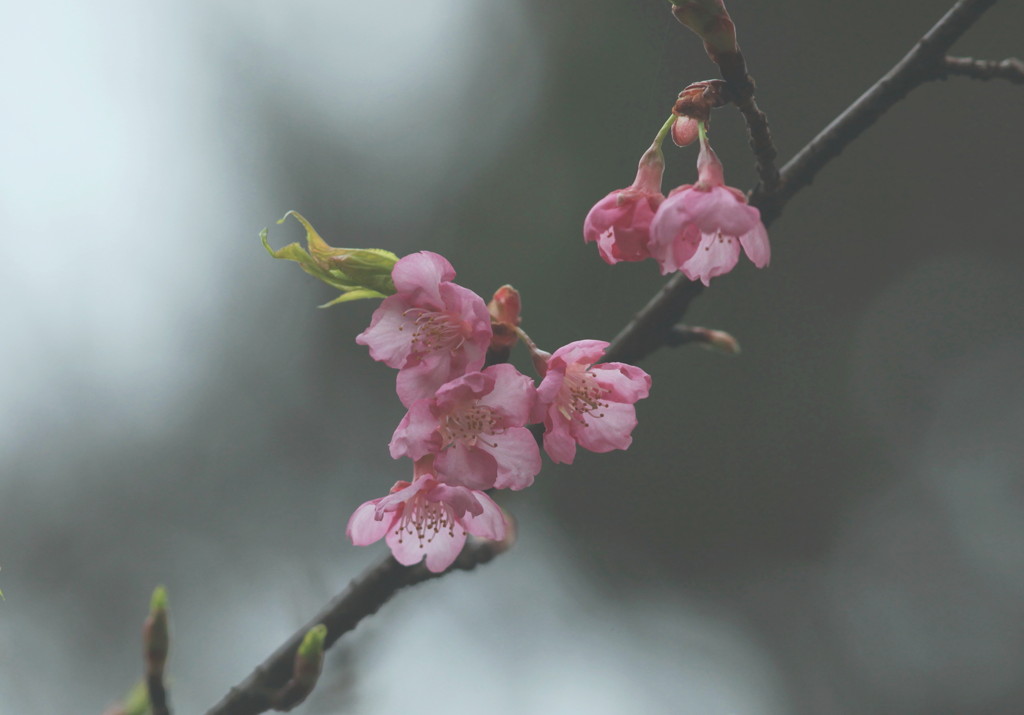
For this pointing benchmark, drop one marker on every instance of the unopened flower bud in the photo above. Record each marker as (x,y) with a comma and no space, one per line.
(505,309)
(309,661)
(711,21)
(684,131)
(155,636)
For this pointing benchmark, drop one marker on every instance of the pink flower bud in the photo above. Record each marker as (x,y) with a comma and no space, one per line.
(684,131)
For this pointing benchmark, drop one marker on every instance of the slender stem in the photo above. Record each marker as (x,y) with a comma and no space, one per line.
(917,67)
(362,598)
(663,132)
(1011,69)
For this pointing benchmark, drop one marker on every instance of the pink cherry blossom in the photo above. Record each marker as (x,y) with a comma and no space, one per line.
(588,404)
(699,228)
(426,519)
(431,329)
(475,427)
(620,222)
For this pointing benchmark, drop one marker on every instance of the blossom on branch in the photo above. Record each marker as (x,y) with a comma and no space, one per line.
(431,329)
(427,519)
(700,227)
(474,426)
(588,404)
(620,222)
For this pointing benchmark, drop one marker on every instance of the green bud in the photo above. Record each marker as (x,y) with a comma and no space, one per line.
(356,272)
(137,701)
(159,600)
(156,638)
(313,644)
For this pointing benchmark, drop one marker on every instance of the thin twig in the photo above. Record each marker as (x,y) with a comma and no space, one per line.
(1011,69)
(648,330)
(362,598)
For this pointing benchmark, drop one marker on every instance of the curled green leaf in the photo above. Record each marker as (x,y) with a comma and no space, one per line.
(357,272)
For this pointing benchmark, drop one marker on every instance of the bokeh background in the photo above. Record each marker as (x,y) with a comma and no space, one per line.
(832,522)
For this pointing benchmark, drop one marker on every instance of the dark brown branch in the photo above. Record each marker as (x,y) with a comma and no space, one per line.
(362,598)
(1011,69)
(917,67)
(650,328)
(740,91)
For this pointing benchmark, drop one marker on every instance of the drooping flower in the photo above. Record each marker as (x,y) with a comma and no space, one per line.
(431,330)
(588,404)
(620,222)
(474,425)
(700,227)
(426,519)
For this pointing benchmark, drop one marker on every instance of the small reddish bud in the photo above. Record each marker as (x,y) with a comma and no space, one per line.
(698,99)
(505,309)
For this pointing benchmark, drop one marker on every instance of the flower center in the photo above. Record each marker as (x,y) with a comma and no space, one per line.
(433,331)
(468,424)
(424,519)
(580,396)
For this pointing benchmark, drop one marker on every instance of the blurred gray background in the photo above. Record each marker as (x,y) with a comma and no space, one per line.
(832,522)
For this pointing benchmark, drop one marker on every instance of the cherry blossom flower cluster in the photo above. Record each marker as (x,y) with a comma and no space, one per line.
(466,428)
(698,229)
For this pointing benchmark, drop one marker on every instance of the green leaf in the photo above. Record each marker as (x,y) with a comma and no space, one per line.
(357,272)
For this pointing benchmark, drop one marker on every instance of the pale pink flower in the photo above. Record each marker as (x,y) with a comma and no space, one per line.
(426,519)
(699,228)
(431,329)
(474,426)
(620,222)
(588,404)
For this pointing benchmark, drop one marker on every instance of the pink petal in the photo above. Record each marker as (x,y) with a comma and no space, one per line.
(440,549)
(444,549)
(620,224)
(389,336)
(674,237)
(547,392)
(585,352)
(717,254)
(422,273)
(517,456)
(422,378)
(558,442)
(462,390)
(626,383)
(720,210)
(490,523)
(416,435)
(466,466)
(755,245)
(512,395)
(609,431)
(363,526)
(459,500)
